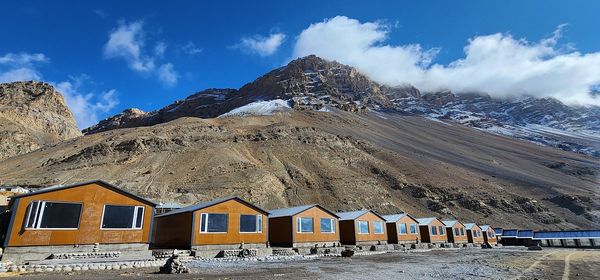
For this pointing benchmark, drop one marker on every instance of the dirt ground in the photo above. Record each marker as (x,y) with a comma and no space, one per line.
(505,263)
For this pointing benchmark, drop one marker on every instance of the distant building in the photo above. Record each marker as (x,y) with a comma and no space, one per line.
(489,235)
(432,230)
(456,232)
(402,229)
(474,233)
(363,227)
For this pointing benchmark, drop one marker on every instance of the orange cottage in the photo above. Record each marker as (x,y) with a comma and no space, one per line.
(456,232)
(489,235)
(474,233)
(432,230)
(402,229)
(213,228)
(364,227)
(80,218)
(303,226)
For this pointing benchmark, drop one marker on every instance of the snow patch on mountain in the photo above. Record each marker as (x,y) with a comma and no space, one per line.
(260,108)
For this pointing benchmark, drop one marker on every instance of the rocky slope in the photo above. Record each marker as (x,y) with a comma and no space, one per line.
(382,160)
(312,83)
(32,114)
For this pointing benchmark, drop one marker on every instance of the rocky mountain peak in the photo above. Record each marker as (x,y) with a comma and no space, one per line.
(32,114)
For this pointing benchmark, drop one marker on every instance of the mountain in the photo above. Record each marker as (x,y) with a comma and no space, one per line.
(317,131)
(32,115)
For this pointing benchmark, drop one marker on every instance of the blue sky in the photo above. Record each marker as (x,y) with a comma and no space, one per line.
(162,51)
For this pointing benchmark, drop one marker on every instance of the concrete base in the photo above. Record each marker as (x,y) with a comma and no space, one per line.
(23,255)
(217,251)
(320,244)
(376,242)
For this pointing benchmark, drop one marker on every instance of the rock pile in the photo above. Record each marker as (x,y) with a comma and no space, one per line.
(174,266)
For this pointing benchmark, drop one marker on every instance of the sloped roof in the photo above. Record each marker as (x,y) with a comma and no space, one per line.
(291,211)
(395,217)
(498,231)
(98,182)
(203,205)
(485,227)
(510,233)
(452,223)
(353,215)
(426,221)
(471,225)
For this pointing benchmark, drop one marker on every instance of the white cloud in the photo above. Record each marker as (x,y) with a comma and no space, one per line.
(20,66)
(86,105)
(263,46)
(167,75)
(497,64)
(190,49)
(128,42)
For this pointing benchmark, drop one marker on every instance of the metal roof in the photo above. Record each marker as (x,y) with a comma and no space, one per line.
(525,233)
(426,221)
(395,217)
(568,234)
(353,215)
(485,227)
(471,225)
(452,223)
(99,182)
(291,211)
(498,231)
(203,205)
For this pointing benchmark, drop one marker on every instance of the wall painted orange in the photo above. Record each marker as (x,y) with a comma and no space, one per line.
(394,235)
(479,238)
(489,236)
(426,232)
(316,236)
(93,197)
(453,237)
(349,230)
(233,236)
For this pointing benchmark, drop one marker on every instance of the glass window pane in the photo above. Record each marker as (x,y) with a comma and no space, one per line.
(32,214)
(402,228)
(413,228)
(442,230)
(116,216)
(456,231)
(326,225)
(248,223)
(60,215)
(259,223)
(363,227)
(306,225)
(139,217)
(217,223)
(434,230)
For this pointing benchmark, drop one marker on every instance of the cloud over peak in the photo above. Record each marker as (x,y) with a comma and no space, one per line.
(128,42)
(261,45)
(498,64)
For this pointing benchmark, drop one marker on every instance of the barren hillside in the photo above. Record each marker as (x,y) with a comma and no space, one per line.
(343,160)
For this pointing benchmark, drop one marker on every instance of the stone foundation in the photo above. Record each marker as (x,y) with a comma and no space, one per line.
(23,255)
(221,251)
(322,244)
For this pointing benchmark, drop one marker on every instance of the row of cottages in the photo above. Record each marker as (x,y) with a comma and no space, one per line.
(97,216)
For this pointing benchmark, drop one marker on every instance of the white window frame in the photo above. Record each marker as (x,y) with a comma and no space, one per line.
(359,227)
(456,232)
(405,228)
(463,232)
(205,229)
(442,230)
(135,212)
(299,225)
(332,221)
(40,213)
(258,223)
(416,229)
(433,228)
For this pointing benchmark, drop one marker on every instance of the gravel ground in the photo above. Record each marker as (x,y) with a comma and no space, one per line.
(506,263)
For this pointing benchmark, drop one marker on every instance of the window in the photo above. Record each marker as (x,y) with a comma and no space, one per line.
(250,223)
(433,230)
(456,232)
(53,215)
(305,224)
(491,234)
(327,225)
(462,231)
(378,227)
(474,233)
(213,223)
(413,228)
(442,230)
(363,227)
(402,228)
(122,217)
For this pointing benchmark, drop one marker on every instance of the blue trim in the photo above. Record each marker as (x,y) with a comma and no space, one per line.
(568,234)
(13,213)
